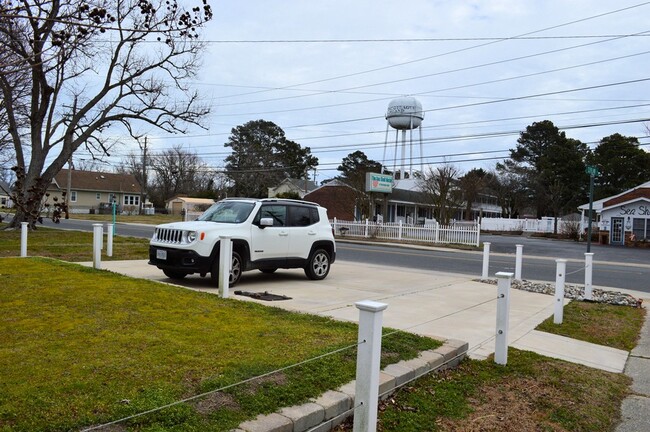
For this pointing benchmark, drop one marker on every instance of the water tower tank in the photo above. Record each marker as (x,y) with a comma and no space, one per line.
(404,113)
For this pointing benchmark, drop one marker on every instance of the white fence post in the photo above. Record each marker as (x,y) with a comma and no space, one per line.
(399,231)
(518,259)
(98,235)
(366,234)
(368,358)
(486,260)
(503,312)
(225,264)
(437,232)
(560,276)
(24,227)
(334,226)
(109,239)
(478,234)
(589,266)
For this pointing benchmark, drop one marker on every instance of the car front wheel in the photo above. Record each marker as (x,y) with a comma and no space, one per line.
(235,270)
(319,265)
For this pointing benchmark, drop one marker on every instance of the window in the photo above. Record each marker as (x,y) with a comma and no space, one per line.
(302,216)
(276,212)
(131,200)
(98,196)
(73,196)
(641,228)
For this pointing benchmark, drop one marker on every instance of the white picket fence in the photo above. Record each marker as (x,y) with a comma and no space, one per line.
(467,234)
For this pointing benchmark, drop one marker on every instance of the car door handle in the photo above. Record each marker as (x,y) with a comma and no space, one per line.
(311,233)
(284,234)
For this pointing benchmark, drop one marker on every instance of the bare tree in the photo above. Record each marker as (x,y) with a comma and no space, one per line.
(91,65)
(440,186)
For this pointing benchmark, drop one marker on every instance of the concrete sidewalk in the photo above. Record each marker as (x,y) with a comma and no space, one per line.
(435,304)
(635,410)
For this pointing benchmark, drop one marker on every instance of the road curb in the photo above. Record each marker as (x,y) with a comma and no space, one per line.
(335,406)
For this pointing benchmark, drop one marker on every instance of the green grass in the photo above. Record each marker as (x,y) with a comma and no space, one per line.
(602,324)
(80,346)
(531,393)
(68,245)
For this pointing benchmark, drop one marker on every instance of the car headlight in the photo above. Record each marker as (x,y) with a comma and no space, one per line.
(191,236)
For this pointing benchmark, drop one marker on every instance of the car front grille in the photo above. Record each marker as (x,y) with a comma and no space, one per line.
(170,236)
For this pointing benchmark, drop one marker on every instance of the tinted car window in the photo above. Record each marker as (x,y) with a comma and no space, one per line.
(276,212)
(300,216)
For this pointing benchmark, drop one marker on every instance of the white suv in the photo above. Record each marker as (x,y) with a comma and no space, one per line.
(267,234)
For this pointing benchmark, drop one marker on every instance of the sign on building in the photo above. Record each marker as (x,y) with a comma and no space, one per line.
(382,183)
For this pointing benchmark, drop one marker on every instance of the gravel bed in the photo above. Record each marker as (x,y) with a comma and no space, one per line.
(574,292)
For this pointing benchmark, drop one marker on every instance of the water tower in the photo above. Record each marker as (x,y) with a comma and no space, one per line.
(403,114)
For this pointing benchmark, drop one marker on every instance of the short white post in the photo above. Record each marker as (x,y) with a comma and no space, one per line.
(518,259)
(486,260)
(109,239)
(560,276)
(399,231)
(98,234)
(225,264)
(504,281)
(24,228)
(589,267)
(368,358)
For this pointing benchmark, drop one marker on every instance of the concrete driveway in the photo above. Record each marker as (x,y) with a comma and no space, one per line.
(435,304)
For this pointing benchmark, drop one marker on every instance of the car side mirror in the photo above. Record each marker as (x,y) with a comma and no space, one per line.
(266,222)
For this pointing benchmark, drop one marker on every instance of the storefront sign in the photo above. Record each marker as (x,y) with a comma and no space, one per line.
(382,183)
(642,210)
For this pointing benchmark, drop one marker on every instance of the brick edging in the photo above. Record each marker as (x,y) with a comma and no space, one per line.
(335,406)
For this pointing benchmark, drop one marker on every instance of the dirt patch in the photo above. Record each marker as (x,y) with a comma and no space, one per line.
(276,379)
(215,401)
(508,406)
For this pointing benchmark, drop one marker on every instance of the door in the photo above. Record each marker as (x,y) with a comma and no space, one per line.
(617,231)
(270,243)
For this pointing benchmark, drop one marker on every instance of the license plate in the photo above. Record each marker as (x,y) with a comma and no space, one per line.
(161,254)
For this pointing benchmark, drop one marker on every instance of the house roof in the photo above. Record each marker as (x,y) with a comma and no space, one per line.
(607,202)
(4,187)
(189,200)
(97,181)
(299,184)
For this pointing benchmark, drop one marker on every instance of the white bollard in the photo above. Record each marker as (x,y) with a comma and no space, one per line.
(109,240)
(518,259)
(24,228)
(504,281)
(98,234)
(486,260)
(560,276)
(368,359)
(225,264)
(589,267)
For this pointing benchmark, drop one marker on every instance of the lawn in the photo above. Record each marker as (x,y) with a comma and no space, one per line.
(69,245)
(602,324)
(80,346)
(531,393)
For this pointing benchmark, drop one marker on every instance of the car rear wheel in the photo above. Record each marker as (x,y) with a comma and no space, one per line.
(235,270)
(319,265)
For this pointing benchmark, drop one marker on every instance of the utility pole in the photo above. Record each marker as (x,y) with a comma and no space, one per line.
(143,186)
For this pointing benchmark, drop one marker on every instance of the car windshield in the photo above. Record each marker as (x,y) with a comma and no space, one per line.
(228,212)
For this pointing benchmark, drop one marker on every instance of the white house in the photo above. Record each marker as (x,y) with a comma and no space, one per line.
(625,216)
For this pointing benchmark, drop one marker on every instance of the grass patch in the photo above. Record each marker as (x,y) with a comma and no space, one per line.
(69,245)
(80,346)
(531,393)
(602,324)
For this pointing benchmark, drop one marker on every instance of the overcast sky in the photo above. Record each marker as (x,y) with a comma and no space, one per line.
(325,71)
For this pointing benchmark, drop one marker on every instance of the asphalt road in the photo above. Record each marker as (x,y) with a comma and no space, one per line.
(616,267)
